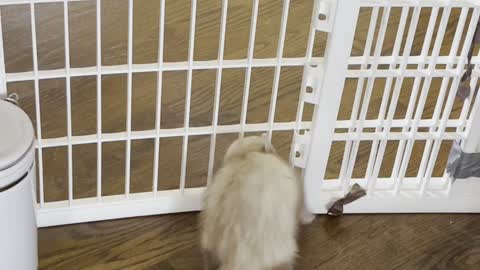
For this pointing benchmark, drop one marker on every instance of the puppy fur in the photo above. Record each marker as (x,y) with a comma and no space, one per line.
(252,209)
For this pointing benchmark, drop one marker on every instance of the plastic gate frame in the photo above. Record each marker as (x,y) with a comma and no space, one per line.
(322,86)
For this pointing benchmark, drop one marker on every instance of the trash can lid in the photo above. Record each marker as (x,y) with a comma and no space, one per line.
(16,134)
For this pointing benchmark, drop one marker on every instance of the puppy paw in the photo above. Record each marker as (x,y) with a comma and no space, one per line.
(306,217)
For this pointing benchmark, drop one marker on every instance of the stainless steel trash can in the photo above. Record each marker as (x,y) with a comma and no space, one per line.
(18,226)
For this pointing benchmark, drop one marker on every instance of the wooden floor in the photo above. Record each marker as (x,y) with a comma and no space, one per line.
(355,242)
(170,242)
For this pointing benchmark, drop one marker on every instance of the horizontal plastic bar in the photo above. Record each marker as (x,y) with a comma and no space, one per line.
(419,3)
(282,126)
(383,60)
(243,63)
(118,206)
(412,73)
(385,186)
(165,133)
(397,123)
(395,136)
(208,130)
(17,2)
(152,67)
(464,200)
(364,3)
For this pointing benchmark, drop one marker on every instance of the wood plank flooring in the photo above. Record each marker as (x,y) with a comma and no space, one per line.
(353,242)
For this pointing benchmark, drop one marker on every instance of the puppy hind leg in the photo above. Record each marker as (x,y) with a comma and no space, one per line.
(306,217)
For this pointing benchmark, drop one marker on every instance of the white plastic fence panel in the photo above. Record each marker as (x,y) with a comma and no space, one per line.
(129,204)
(395,194)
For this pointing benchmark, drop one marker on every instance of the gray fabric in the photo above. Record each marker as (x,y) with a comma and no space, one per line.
(461,165)
(356,192)
(464,89)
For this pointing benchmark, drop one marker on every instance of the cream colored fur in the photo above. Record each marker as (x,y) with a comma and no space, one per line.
(252,209)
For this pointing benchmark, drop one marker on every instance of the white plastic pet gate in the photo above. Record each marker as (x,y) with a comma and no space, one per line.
(322,86)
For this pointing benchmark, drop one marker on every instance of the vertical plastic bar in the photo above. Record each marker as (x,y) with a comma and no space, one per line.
(399,167)
(99,100)
(301,97)
(443,89)
(128,148)
(278,67)
(395,97)
(450,101)
(69,100)
(357,98)
(325,114)
(425,89)
(218,86)
(158,108)
(248,73)
(37,104)
(368,92)
(3,82)
(452,54)
(188,95)
(374,158)
(395,55)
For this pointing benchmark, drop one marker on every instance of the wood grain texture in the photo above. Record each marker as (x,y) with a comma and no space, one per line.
(170,242)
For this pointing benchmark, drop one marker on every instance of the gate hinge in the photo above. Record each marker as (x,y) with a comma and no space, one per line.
(324,16)
(302,142)
(312,83)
